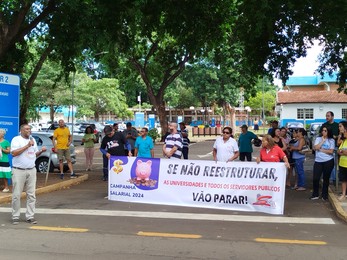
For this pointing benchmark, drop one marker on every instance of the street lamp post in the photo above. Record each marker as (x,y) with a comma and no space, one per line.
(248,110)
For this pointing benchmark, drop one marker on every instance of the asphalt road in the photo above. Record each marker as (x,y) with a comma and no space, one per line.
(79,222)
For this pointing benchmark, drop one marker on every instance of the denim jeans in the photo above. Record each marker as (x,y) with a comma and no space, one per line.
(185,151)
(320,168)
(105,167)
(299,168)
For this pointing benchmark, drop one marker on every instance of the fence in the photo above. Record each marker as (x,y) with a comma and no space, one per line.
(210,131)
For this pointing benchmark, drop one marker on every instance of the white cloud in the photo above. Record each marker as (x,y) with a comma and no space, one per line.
(305,66)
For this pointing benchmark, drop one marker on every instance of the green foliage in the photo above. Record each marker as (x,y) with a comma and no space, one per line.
(153,133)
(180,96)
(278,32)
(256,103)
(95,97)
(269,119)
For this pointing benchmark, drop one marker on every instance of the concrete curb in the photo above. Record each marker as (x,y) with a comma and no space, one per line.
(49,188)
(337,206)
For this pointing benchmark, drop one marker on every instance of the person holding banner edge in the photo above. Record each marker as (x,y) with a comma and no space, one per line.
(112,144)
(271,152)
(225,148)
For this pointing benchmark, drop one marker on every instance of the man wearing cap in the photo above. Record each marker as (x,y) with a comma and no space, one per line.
(112,144)
(130,134)
(185,140)
(245,143)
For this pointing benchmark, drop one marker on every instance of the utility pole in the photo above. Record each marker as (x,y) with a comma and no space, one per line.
(139,100)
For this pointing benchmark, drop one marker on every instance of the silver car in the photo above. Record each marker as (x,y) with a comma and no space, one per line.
(45,139)
(77,136)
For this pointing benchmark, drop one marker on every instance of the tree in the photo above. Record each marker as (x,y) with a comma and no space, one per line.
(95,97)
(158,38)
(49,25)
(50,89)
(180,96)
(276,33)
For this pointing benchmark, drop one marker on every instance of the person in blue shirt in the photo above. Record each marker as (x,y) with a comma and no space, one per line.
(245,143)
(144,145)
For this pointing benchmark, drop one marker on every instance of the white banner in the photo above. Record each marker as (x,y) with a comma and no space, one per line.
(244,186)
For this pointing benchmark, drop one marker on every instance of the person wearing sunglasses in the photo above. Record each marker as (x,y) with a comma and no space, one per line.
(225,148)
(324,146)
(144,144)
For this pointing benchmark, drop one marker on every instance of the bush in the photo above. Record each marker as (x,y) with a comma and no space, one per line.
(154,134)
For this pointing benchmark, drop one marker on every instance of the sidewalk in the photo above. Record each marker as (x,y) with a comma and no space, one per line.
(339,207)
(55,183)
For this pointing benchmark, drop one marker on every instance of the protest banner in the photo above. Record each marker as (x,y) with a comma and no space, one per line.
(243,186)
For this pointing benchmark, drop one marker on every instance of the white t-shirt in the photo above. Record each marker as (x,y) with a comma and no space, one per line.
(28,157)
(328,145)
(225,150)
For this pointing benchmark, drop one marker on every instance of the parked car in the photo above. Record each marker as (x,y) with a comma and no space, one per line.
(312,134)
(291,126)
(45,139)
(35,126)
(77,135)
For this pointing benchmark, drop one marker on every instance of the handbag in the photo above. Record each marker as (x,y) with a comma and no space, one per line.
(305,149)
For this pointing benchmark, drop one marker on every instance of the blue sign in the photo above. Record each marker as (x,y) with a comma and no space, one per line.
(179,120)
(151,121)
(139,119)
(9,100)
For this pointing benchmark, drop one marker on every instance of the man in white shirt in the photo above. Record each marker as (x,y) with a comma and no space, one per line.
(24,151)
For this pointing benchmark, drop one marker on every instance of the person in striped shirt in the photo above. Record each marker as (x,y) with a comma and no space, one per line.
(173,144)
(185,140)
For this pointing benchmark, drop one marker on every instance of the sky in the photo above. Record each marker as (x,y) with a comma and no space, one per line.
(305,66)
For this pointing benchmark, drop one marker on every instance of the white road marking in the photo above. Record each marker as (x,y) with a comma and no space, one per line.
(205,155)
(186,216)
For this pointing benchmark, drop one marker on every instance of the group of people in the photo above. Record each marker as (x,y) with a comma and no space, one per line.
(130,142)
(126,143)
(278,146)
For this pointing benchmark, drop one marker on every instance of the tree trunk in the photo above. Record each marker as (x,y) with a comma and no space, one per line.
(96,116)
(51,113)
(26,90)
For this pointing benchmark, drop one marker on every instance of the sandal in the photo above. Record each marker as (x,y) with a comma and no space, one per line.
(301,189)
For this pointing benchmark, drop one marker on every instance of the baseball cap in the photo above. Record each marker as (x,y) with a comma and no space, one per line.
(128,124)
(107,130)
(244,126)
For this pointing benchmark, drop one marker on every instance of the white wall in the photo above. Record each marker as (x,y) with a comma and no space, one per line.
(289,111)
